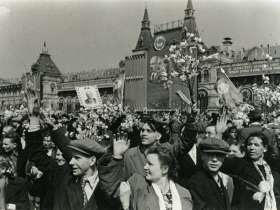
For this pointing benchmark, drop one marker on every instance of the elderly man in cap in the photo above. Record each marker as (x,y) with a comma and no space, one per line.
(206,185)
(74,186)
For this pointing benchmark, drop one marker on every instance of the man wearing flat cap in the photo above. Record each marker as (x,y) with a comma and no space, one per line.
(74,186)
(206,185)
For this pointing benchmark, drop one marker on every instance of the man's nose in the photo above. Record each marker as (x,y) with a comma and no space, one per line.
(71,161)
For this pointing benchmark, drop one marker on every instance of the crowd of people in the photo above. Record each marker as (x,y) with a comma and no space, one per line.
(111,158)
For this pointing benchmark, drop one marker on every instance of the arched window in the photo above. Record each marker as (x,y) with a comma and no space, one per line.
(77,106)
(60,104)
(202,100)
(206,75)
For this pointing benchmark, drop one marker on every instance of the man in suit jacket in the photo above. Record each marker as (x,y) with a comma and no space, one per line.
(206,185)
(78,188)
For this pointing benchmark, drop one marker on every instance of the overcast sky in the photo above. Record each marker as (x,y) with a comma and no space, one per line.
(83,35)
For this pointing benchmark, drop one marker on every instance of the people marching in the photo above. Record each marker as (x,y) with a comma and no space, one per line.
(109,158)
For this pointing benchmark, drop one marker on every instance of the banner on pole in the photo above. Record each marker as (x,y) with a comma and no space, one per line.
(89,96)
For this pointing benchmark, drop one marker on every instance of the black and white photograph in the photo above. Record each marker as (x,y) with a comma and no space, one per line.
(139,105)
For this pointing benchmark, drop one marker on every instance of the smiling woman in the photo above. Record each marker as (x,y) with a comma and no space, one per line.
(157,189)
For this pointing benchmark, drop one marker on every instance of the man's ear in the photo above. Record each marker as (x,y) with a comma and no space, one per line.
(92,160)
(158,136)
(164,169)
(14,145)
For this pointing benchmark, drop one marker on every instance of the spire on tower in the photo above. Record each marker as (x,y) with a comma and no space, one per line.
(189,11)
(189,25)
(146,21)
(45,49)
(145,36)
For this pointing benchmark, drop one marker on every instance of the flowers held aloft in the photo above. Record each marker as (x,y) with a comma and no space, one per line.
(183,59)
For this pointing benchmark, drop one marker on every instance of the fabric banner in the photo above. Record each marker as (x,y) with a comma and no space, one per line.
(89,96)
(119,89)
(184,97)
(227,91)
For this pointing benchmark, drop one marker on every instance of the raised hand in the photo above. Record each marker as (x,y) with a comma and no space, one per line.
(221,124)
(120,146)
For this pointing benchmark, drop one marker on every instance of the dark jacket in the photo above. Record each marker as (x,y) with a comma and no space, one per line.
(243,194)
(16,193)
(206,193)
(64,189)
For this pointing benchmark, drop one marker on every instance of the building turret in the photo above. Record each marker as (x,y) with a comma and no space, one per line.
(45,64)
(189,20)
(145,39)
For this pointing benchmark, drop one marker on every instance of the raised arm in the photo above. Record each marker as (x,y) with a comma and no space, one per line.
(111,168)
(36,152)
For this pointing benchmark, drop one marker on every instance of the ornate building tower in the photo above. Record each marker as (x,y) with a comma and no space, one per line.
(145,39)
(189,19)
(147,60)
(49,77)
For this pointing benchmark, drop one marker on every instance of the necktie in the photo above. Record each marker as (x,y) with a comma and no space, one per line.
(83,184)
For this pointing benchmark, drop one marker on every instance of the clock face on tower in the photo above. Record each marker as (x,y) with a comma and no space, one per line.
(159,43)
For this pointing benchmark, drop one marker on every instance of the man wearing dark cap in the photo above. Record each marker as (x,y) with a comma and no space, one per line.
(74,186)
(206,185)
(125,161)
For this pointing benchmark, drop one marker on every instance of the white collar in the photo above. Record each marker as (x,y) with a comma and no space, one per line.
(92,179)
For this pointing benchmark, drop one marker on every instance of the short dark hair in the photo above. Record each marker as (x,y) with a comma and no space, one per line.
(260,135)
(240,145)
(154,125)
(166,157)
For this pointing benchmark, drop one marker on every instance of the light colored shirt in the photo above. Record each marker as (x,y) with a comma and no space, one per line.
(91,184)
(193,154)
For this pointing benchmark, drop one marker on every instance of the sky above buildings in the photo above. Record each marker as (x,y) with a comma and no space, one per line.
(86,34)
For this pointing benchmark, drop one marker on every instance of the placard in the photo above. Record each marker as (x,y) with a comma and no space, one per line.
(89,96)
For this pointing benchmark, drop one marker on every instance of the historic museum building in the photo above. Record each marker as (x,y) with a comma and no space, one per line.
(244,67)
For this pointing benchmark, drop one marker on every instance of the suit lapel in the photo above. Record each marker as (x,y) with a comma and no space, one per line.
(74,195)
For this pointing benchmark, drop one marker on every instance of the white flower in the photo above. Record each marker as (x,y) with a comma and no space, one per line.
(164,78)
(258,196)
(172,48)
(163,73)
(181,60)
(174,73)
(172,55)
(184,44)
(264,186)
(183,77)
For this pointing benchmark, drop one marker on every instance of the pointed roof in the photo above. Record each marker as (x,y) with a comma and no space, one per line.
(145,37)
(190,5)
(146,16)
(145,21)
(189,20)
(45,64)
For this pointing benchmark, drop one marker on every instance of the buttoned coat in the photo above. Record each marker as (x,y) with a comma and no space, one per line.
(206,193)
